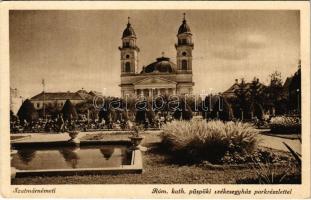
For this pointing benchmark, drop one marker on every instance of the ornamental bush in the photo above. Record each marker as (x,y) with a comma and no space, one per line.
(285,124)
(192,141)
(27,112)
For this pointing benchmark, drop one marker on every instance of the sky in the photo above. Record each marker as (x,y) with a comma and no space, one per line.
(72,50)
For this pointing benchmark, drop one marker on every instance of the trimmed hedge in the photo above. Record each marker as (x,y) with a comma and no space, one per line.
(285,124)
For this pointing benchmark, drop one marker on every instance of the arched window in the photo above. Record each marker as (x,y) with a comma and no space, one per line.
(127,67)
(184,65)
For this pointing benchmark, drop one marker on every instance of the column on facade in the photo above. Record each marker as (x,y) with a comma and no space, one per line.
(145,92)
(172,91)
(150,92)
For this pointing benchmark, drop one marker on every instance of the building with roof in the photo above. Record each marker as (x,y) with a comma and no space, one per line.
(89,95)
(161,76)
(248,99)
(55,99)
(231,92)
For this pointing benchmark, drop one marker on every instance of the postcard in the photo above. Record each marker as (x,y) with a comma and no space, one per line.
(158,99)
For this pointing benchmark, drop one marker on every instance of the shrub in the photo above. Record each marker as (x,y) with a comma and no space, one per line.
(285,124)
(27,112)
(200,140)
(183,112)
(69,111)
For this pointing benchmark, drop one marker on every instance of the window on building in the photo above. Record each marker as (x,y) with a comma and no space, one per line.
(184,41)
(184,65)
(38,105)
(127,56)
(127,67)
(126,44)
(184,53)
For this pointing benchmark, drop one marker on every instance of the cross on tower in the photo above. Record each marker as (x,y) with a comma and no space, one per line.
(184,16)
(162,53)
(128,20)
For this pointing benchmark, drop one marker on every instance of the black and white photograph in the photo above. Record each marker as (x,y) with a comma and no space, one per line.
(158,96)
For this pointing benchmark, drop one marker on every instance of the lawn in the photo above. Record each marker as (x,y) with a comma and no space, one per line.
(158,169)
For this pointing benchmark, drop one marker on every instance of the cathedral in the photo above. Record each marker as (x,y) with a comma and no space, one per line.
(161,76)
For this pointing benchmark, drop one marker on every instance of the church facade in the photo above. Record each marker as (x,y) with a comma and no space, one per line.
(161,76)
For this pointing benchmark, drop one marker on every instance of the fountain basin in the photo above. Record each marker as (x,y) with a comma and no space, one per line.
(60,158)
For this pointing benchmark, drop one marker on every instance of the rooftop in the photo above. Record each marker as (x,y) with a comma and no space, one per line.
(57,96)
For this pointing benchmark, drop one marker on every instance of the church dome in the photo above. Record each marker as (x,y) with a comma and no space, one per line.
(184,27)
(128,31)
(162,65)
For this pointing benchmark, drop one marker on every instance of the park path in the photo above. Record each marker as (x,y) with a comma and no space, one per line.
(277,143)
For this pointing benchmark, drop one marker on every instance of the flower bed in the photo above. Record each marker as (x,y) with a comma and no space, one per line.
(285,124)
(193,141)
(260,155)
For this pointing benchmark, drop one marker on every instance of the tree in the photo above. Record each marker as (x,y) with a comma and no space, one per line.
(276,85)
(275,92)
(206,106)
(242,103)
(141,112)
(108,114)
(256,99)
(255,90)
(222,109)
(69,111)
(87,108)
(27,112)
(183,112)
(150,114)
(50,110)
(12,116)
(294,97)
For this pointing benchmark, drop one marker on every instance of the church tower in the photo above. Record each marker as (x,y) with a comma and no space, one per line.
(129,51)
(184,48)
